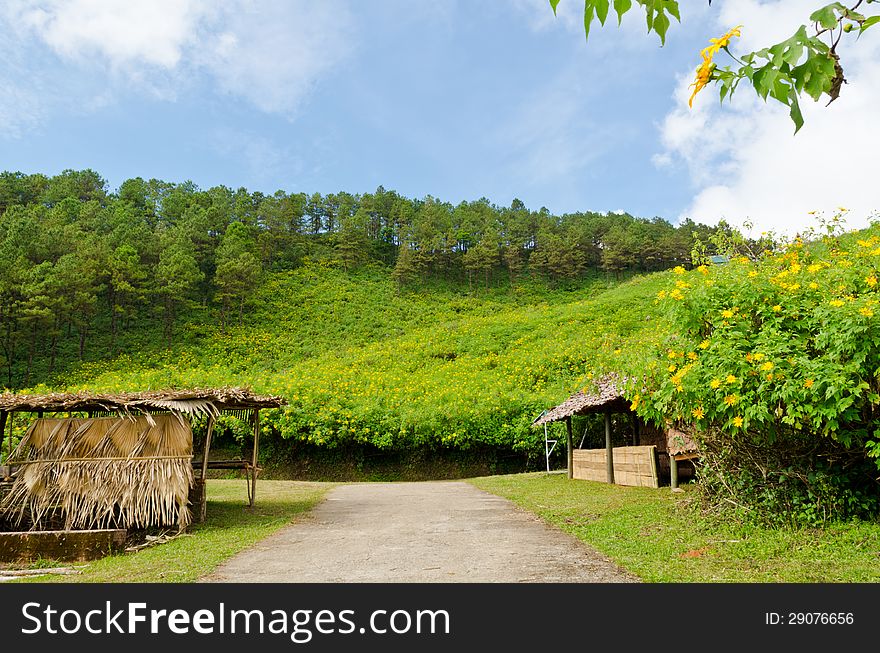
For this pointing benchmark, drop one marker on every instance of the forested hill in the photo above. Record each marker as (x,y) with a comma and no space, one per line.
(82,267)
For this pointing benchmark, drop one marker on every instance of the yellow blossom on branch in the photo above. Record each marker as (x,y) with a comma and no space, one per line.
(704,71)
(731,400)
(698,412)
(737,421)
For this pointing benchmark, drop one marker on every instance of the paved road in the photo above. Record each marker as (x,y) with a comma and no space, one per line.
(445,531)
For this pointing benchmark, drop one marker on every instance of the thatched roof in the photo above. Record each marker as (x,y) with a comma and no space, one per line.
(191,402)
(103,472)
(679,442)
(605,395)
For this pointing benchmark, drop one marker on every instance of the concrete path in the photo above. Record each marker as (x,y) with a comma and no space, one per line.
(445,531)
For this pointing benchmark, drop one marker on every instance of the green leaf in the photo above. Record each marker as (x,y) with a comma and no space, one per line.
(601,9)
(621,7)
(827,15)
(873,20)
(553,4)
(661,24)
(589,11)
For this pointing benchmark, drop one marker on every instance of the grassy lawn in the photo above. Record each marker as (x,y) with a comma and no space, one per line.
(230,528)
(661,537)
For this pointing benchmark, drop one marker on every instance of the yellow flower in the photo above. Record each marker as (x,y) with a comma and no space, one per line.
(616,351)
(635,402)
(678,269)
(777,308)
(698,412)
(867,312)
(676,294)
(731,379)
(814,285)
(767,366)
(836,302)
(737,421)
(770,376)
(703,269)
(726,313)
(871,280)
(808,383)
(704,344)
(714,383)
(704,72)
(731,400)
(671,368)
(692,355)
(661,294)
(753,274)
(671,354)
(815,267)
(758,356)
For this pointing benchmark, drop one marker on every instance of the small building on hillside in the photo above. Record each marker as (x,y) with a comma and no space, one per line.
(642,456)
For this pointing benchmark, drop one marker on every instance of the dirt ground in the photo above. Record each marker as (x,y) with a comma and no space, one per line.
(445,531)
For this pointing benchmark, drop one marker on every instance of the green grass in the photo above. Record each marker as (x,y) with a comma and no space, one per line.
(231,527)
(661,536)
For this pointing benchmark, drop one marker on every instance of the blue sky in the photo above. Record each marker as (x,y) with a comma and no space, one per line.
(452,98)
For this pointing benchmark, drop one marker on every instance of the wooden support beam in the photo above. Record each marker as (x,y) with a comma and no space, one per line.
(609,451)
(253,492)
(203,499)
(3,433)
(3,417)
(568,442)
(673,472)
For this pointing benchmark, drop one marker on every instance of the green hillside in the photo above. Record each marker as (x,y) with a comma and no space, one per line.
(364,364)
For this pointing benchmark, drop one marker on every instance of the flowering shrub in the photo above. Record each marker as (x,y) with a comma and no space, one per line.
(775,364)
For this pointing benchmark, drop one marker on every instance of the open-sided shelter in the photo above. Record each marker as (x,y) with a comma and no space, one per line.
(123,459)
(636,464)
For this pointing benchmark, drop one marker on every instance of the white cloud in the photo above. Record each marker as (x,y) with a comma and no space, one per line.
(274,52)
(269,53)
(743,158)
(152,32)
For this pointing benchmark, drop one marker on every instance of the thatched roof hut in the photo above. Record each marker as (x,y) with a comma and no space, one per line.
(122,459)
(605,396)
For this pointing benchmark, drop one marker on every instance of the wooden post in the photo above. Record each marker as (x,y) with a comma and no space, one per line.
(635,419)
(568,444)
(253,492)
(3,417)
(673,472)
(609,451)
(203,503)
(9,451)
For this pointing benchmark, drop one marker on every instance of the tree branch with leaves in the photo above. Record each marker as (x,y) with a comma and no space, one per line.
(807,63)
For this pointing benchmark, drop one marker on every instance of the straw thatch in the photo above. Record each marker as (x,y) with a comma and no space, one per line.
(103,472)
(193,402)
(680,442)
(604,395)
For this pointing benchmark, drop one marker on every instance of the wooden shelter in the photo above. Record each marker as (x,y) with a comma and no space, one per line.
(100,456)
(680,446)
(630,465)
